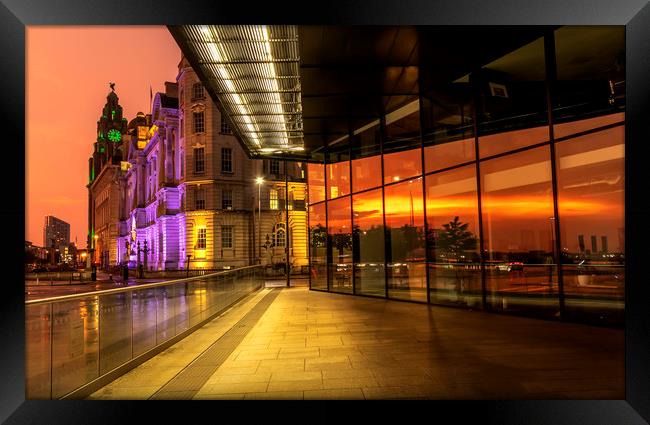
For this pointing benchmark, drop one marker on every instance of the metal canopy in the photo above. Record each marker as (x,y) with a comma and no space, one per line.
(253,72)
(290,91)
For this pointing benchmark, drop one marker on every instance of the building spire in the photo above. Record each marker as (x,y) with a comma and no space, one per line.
(112,85)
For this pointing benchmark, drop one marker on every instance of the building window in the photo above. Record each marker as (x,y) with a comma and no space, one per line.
(280,235)
(275,166)
(226,236)
(199,122)
(273,199)
(197,91)
(201,238)
(226,199)
(200,199)
(225,128)
(199,160)
(226,160)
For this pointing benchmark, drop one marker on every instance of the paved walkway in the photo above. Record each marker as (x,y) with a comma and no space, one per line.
(313,345)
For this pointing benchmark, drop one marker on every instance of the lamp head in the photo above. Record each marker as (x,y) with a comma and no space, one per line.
(259,180)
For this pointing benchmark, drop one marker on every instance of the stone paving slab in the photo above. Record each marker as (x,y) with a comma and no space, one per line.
(315,345)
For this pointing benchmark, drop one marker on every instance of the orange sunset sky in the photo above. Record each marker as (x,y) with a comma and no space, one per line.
(68,70)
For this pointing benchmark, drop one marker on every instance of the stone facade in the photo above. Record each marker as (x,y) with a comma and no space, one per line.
(186,188)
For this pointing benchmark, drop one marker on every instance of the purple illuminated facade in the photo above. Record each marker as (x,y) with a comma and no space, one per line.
(179,185)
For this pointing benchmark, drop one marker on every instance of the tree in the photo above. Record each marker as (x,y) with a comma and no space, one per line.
(454,240)
(451,242)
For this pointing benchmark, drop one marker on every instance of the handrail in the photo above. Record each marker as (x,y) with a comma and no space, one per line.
(134,288)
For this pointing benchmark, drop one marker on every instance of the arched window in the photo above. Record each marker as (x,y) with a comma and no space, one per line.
(280,234)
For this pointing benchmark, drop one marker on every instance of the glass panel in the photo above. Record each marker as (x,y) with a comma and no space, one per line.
(164,313)
(403,127)
(405,239)
(437,157)
(75,347)
(316,182)
(144,320)
(37,352)
(338,179)
(452,220)
(366,173)
(115,331)
(194,302)
(518,229)
(339,229)
(370,276)
(590,77)
(403,165)
(318,246)
(182,321)
(591,194)
(366,140)
(512,96)
(448,125)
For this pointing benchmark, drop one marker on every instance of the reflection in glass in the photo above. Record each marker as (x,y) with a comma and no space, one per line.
(370,277)
(405,240)
(590,65)
(400,166)
(144,320)
(591,182)
(448,126)
(366,173)
(37,352)
(403,127)
(318,246)
(338,179)
(518,229)
(75,344)
(316,182)
(437,157)
(340,244)
(512,96)
(452,220)
(114,336)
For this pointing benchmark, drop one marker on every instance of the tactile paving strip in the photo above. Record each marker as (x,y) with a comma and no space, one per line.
(190,380)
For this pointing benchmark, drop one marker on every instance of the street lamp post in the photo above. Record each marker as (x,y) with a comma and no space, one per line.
(259,182)
(93,268)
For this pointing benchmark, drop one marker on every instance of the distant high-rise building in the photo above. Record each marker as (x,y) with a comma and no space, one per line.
(594,244)
(603,241)
(56,233)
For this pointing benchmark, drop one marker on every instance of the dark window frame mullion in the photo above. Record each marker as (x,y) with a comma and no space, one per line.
(550,79)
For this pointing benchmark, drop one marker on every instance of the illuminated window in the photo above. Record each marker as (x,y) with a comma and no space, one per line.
(225,128)
(226,236)
(199,122)
(226,199)
(200,199)
(273,199)
(226,160)
(199,160)
(275,166)
(197,91)
(280,235)
(201,238)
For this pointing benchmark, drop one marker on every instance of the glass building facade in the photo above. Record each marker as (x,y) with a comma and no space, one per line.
(501,189)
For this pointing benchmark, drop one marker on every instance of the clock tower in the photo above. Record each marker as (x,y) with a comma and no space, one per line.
(104,183)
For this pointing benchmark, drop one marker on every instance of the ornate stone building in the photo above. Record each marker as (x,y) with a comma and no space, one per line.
(184,189)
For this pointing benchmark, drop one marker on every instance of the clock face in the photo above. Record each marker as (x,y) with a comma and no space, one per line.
(114,135)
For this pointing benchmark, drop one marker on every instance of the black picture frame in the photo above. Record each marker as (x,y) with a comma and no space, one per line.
(15,15)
